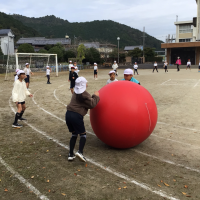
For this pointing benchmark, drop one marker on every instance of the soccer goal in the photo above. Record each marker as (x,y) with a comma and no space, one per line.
(38,61)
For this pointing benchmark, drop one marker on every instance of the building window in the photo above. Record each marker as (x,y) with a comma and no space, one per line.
(185,29)
(185,40)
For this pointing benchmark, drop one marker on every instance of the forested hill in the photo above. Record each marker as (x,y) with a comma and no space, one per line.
(102,31)
(17,27)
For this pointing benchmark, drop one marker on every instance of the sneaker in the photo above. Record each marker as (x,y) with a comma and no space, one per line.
(16,125)
(70,158)
(22,119)
(81,157)
(29,89)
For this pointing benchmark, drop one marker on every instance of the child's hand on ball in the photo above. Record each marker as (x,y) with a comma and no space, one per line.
(96,93)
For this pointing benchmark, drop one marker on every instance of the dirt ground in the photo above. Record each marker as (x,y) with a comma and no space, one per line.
(33,159)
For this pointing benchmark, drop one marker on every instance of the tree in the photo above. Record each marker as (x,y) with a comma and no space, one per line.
(42,51)
(136,53)
(48,46)
(25,48)
(81,52)
(149,52)
(69,54)
(114,54)
(59,50)
(92,55)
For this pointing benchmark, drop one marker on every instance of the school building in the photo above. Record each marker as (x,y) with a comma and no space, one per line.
(186,45)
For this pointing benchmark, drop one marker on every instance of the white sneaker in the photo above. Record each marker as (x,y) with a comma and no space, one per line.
(81,157)
(70,158)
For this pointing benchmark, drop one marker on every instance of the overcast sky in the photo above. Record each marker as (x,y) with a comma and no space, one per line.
(158,16)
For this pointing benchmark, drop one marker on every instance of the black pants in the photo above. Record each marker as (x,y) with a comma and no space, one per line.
(48,78)
(166,69)
(178,68)
(135,70)
(155,68)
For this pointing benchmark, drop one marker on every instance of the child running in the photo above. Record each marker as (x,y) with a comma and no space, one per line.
(128,76)
(81,101)
(72,78)
(165,66)
(112,77)
(135,68)
(188,64)
(48,71)
(155,67)
(28,73)
(19,94)
(95,71)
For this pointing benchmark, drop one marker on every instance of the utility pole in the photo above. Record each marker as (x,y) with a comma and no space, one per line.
(143,43)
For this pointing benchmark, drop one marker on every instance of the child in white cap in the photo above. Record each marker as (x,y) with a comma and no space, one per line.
(81,101)
(28,73)
(155,67)
(48,71)
(135,68)
(15,75)
(70,65)
(95,71)
(115,66)
(165,66)
(112,77)
(188,64)
(19,94)
(128,76)
(76,70)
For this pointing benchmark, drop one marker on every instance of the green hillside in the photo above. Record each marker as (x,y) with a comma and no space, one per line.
(102,31)
(17,27)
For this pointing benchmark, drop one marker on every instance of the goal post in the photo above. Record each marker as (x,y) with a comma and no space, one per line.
(36,55)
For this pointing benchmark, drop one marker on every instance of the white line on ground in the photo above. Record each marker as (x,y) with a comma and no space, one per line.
(165,82)
(110,170)
(196,83)
(23,180)
(169,162)
(54,93)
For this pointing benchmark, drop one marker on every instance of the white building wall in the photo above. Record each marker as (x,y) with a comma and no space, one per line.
(7,45)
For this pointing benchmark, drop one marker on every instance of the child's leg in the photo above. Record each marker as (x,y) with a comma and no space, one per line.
(82,142)
(17,115)
(72,90)
(72,143)
(23,109)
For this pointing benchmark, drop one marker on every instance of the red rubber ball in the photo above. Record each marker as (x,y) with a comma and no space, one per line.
(125,116)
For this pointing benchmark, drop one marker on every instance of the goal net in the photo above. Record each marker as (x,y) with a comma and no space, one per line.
(37,62)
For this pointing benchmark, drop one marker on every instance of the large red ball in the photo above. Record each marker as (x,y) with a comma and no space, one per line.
(125,116)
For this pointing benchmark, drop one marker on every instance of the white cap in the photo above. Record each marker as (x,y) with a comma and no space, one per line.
(20,72)
(70,61)
(80,85)
(128,71)
(95,63)
(111,72)
(17,70)
(27,64)
(76,67)
(114,61)
(47,66)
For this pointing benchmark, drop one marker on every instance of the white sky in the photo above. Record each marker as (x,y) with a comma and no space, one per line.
(158,16)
